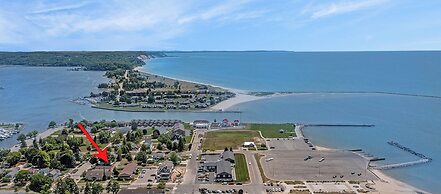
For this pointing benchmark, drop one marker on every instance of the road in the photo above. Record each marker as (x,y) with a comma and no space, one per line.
(188,183)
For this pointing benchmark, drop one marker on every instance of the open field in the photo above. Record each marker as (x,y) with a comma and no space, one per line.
(218,140)
(273,130)
(241,168)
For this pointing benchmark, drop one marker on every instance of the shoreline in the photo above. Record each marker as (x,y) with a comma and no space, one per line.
(241,96)
(385,183)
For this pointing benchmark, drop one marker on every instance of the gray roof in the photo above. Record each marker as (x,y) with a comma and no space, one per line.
(228,155)
(223,166)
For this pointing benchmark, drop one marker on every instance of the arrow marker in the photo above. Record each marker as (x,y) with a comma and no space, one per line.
(102,154)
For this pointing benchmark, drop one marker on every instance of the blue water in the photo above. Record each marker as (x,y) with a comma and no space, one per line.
(412,121)
(402,72)
(36,96)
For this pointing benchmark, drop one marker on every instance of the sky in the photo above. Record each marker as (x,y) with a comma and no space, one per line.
(294,25)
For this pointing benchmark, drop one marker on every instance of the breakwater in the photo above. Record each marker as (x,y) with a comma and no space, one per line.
(423,158)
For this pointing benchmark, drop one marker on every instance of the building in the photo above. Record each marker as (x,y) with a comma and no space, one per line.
(201,124)
(179,131)
(228,156)
(164,171)
(248,144)
(224,171)
(128,171)
(99,173)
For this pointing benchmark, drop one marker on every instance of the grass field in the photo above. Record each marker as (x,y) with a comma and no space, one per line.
(218,140)
(241,168)
(272,130)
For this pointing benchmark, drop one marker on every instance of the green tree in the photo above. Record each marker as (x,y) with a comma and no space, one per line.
(113,187)
(13,158)
(52,124)
(174,158)
(40,182)
(159,146)
(66,186)
(141,156)
(21,137)
(41,160)
(161,185)
(134,126)
(181,145)
(21,178)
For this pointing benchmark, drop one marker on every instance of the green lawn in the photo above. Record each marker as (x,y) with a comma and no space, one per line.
(273,130)
(218,140)
(188,139)
(241,168)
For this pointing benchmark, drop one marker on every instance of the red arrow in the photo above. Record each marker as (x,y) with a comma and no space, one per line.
(102,154)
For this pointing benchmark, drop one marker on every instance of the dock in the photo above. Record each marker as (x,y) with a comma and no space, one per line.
(423,158)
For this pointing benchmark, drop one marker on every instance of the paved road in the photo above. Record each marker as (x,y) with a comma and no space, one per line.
(77,175)
(188,183)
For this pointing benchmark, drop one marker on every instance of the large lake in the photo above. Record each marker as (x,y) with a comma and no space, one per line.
(36,96)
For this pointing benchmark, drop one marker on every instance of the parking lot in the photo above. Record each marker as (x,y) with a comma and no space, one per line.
(322,165)
(337,187)
(287,144)
(146,175)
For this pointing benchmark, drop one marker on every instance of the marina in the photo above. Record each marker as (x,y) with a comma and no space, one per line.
(8,130)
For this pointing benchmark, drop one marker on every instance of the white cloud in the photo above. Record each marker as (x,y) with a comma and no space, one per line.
(41,21)
(344,7)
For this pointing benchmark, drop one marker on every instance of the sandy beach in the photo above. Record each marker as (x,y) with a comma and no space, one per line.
(387,184)
(241,96)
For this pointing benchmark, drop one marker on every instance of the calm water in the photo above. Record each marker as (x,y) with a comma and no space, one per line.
(412,121)
(37,95)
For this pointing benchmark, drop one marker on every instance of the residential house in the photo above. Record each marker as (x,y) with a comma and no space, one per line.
(128,171)
(99,173)
(164,171)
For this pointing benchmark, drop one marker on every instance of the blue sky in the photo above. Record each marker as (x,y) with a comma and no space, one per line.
(321,25)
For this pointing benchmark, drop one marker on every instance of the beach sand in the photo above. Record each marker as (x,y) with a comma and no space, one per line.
(387,184)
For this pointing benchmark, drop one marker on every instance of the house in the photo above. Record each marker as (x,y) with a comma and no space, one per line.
(224,171)
(148,141)
(228,156)
(128,171)
(248,144)
(99,173)
(164,171)
(201,124)
(158,155)
(179,131)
